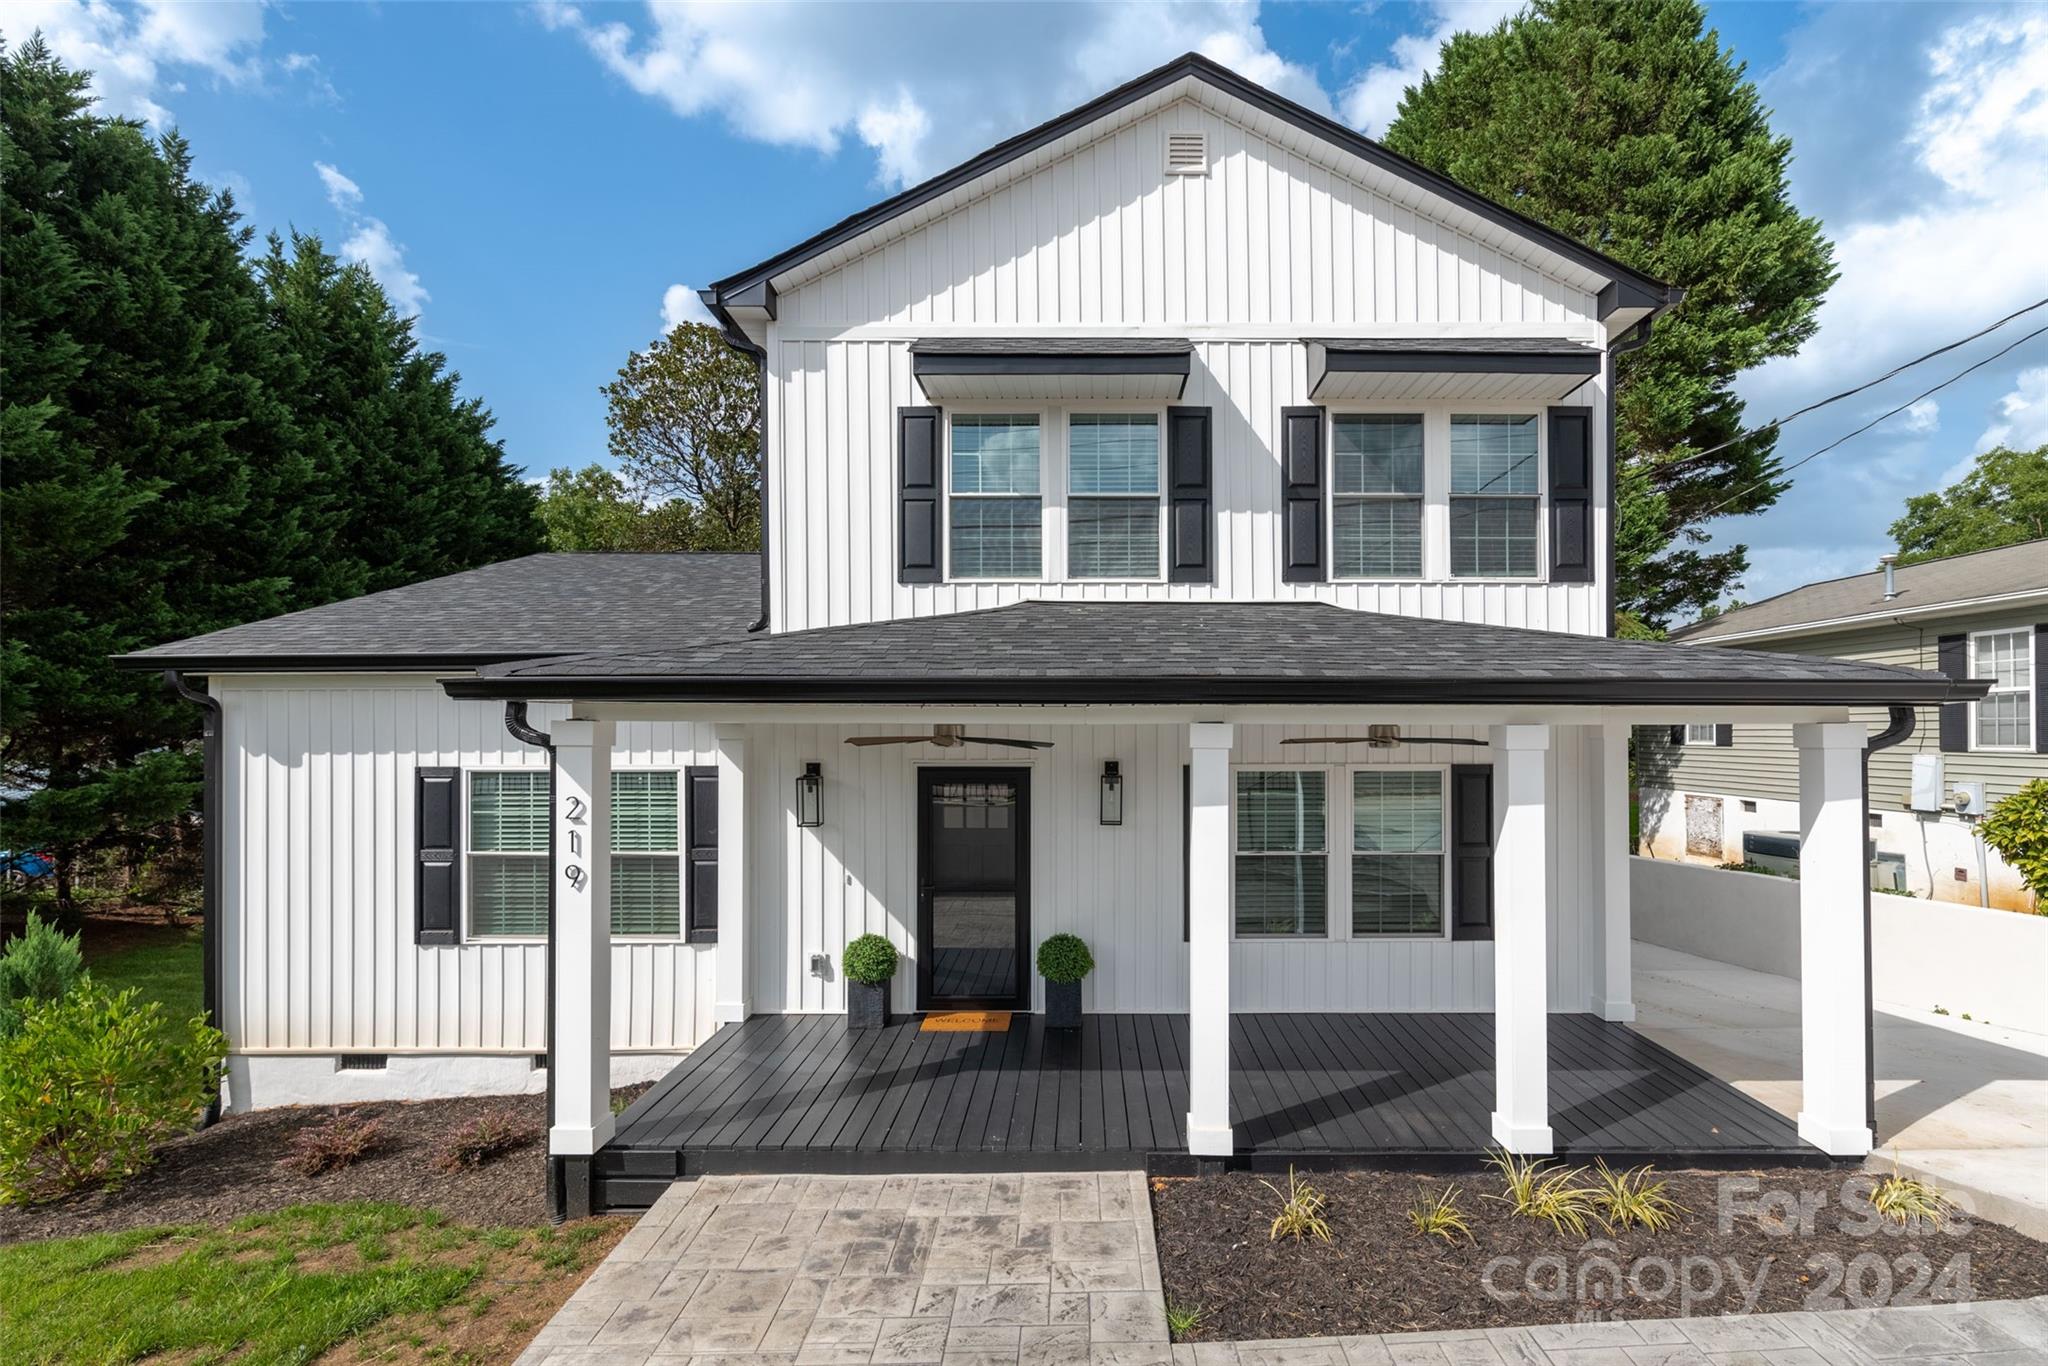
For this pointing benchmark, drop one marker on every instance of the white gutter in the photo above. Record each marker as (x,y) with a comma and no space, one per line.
(1884,615)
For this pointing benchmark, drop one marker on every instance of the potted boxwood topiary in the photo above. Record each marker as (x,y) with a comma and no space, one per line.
(869,961)
(1063,960)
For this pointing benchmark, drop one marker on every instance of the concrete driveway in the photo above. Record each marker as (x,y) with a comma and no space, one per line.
(1959,1103)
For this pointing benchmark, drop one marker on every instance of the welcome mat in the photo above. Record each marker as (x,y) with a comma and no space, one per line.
(967,1022)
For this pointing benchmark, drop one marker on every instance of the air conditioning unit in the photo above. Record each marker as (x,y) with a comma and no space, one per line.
(1888,873)
(1777,850)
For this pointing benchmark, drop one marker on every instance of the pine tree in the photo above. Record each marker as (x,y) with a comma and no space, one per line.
(1629,128)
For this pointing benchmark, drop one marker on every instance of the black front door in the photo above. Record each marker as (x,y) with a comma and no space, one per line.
(973,896)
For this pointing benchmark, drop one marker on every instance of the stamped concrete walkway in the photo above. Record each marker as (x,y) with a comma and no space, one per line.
(1027,1270)
(1062,1270)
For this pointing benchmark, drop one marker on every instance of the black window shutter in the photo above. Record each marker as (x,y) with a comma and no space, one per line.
(1471,851)
(700,854)
(918,438)
(1677,736)
(437,879)
(1301,495)
(1952,656)
(1724,736)
(2040,689)
(1187,845)
(1190,503)
(1571,495)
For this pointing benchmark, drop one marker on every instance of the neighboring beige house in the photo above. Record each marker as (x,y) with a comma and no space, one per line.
(1703,788)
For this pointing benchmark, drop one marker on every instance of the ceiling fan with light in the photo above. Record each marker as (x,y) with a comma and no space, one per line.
(1386,737)
(947,737)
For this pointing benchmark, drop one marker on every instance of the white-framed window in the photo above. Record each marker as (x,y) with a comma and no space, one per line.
(1113,495)
(1496,495)
(1280,863)
(1399,874)
(1376,483)
(995,503)
(647,860)
(507,860)
(2004,719)
(1702,733)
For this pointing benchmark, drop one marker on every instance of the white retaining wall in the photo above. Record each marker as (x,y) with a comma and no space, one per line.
(1991,964)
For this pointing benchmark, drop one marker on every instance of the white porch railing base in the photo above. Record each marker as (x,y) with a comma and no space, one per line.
(1528,1138)
(1209,1142)
(1850,1142)
(565,1140)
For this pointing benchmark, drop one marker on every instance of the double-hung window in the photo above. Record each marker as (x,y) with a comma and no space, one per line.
(508,853)
(1113,496)
(996,510)
(1496,493)
(1702,733)
(647,873)
(2004,719)
(1376,514)
(1281,874)
(1397,852)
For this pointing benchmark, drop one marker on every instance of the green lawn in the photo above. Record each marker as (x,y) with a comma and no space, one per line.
(167,968)
(286,1287)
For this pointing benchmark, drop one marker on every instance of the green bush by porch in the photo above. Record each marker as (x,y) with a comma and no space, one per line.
(870,959)
(1064,958)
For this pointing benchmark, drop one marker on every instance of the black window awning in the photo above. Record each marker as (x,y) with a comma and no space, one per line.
(1136,369)
(1422,368)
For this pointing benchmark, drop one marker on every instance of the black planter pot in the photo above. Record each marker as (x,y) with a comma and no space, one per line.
(1062,1005)
(867,1005)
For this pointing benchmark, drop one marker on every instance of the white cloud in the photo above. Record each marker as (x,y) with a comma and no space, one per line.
(680,304)
(2022,421)
(891,78)
(342,192)
(1370,101)
(370,242)
(1922,417)
(136,53)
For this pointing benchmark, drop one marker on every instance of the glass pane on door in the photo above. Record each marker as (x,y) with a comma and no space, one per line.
(974,850)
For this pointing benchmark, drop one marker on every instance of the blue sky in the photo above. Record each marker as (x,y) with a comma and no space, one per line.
(535,180)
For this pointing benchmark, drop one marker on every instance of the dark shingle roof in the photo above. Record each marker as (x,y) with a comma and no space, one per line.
(1050,652)
(2010,569)
(542,604)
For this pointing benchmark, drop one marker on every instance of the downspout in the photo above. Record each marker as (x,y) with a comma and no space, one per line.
(1898,732)
(516,723)
(210,817)
(738,340)
(1632,340)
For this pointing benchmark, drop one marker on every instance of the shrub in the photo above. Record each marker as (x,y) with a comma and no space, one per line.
(1632,1199)
(41,965)
(1182,1320)
(1301,1211)
(1536,1190)
(870,959)
(1064,958)
(91,1082)
(1436,1215)
(2017,827)
(1907,1199)
(345,1138)
(485,1139)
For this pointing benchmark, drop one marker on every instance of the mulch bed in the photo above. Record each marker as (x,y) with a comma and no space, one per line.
(238,1167)
(1379,1276)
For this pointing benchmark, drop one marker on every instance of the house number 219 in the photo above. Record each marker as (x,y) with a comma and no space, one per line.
(574,815)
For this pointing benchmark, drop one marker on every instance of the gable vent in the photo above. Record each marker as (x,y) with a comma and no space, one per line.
(1187,154)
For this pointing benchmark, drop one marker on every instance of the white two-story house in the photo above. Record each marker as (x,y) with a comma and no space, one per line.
(1188,525)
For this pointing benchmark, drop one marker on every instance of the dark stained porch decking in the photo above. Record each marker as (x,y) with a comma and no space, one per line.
(786,1093)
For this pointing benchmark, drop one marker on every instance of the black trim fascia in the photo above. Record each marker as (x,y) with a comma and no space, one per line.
(1423,361)
(1619,294)
(1659,294)
(212,820)
(938,364)
(1249,691)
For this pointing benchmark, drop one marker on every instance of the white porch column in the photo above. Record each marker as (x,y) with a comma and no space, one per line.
(580,1060)
(1521,938)
(1833,1113)
(1613,989)
(1208,875)
(735,995)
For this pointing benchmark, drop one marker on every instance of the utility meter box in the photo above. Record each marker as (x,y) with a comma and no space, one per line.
(1929,794)
(1969,799)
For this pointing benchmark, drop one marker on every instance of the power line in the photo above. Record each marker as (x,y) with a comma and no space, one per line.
(1892,373)
(1978,365)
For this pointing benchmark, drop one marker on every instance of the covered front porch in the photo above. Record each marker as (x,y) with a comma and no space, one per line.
(790,1093)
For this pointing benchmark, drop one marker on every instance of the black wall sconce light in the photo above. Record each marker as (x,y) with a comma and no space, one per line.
(810,795)
(1112,793)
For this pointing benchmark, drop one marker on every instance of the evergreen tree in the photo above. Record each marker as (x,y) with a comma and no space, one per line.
(2002,501)
(1629,128)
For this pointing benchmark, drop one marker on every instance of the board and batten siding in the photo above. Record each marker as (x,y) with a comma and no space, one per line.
(317,896)
(1761,761)
(832,500)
